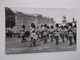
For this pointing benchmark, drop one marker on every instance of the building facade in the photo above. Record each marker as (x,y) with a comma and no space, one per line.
(27,19)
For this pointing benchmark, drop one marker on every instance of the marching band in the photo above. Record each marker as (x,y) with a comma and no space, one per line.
(45,33)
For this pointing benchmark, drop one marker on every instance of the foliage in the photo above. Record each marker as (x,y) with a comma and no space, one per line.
(9,18)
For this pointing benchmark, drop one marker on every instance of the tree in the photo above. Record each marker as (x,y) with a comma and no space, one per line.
(9,18)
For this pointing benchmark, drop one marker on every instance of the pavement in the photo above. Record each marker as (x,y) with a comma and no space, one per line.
(14,45)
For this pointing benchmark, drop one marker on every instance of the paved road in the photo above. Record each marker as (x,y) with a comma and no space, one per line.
(14,45)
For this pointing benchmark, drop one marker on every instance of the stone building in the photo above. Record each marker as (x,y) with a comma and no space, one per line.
(27,19)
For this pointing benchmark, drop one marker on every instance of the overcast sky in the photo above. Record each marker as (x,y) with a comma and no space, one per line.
(55,13)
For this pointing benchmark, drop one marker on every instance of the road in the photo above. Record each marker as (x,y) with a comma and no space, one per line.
(14,45)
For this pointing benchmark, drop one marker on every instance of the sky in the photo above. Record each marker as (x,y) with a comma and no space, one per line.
(55,13)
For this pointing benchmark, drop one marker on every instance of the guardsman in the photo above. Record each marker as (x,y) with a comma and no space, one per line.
(62,33)
(66,32)
(74,33)
(70,34)
(33,38)
(38,32)
(23,36)
(42,29)
(56,35)
(51,33)
(32,34)
(45,35)
(47,32)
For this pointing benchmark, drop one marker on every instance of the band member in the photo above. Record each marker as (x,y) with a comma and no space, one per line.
(38,33)
(45,32)
(23,36)
(62,33)
(70,34)
(56,35)
(66,32)
(42,29)
(74,33)
(33,39)
(51,33)
(32,34)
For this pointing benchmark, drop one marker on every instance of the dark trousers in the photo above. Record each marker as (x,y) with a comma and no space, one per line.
(62,37)
(23,39)
(48,36)
(70,40)
(56,38)
(33,42)
(41,36)
(38,36)
(45,38)
(51,38)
